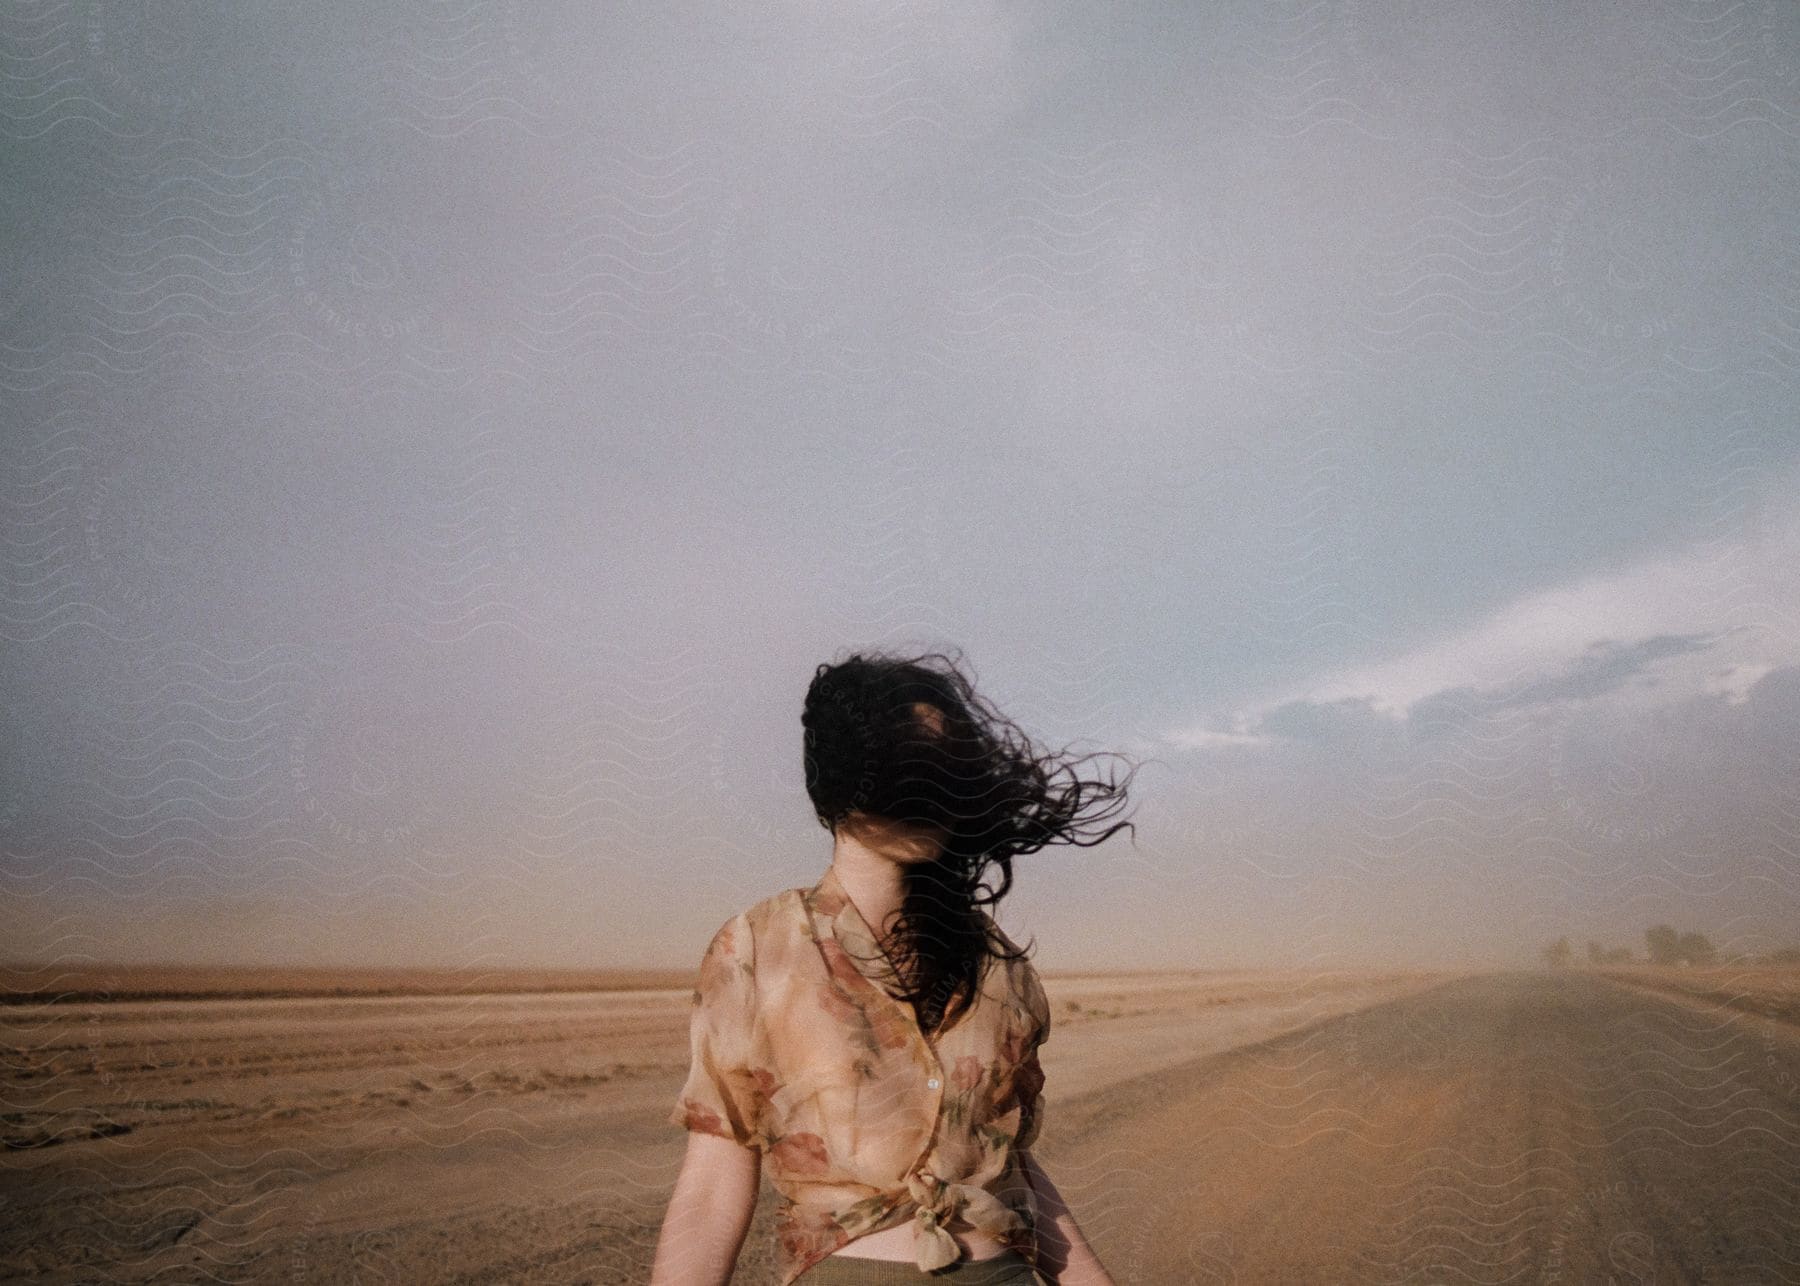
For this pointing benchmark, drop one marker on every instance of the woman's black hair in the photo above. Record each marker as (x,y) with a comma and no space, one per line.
(908,739)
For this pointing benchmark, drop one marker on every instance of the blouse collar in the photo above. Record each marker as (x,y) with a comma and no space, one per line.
(835,915)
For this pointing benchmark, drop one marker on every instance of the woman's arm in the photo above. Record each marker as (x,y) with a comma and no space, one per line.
(709,1213)
(1064,1255)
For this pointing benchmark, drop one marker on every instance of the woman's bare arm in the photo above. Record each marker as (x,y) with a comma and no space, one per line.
(1064,1255)
(709,1213)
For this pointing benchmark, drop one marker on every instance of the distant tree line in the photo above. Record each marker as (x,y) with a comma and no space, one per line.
(1663,945)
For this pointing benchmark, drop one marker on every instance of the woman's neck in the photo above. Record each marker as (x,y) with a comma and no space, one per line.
(868,857)
(871,882)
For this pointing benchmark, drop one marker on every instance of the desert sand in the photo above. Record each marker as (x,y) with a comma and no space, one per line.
(1229,1127)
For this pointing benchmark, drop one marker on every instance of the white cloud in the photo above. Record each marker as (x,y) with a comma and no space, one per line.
(1209,739)
(1734,682)
(1740,588)
(1241,733)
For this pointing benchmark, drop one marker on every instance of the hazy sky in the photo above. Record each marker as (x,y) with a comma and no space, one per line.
(442,440)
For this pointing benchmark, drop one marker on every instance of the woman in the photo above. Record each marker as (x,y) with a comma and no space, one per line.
(875,1036)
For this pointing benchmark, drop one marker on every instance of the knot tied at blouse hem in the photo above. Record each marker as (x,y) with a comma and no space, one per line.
(939,1203)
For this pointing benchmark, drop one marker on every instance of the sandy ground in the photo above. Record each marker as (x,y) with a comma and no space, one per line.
(1763,990)
(64,983)
(1529,1127)
(1208,1127)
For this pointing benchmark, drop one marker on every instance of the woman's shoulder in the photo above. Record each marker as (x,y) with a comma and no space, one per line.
(1024,987)
(996,932)
(1021,965)
(775,914)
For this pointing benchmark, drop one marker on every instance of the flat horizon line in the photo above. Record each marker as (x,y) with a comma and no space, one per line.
(24,982)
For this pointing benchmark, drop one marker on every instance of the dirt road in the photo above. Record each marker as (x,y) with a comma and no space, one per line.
(1530,1127)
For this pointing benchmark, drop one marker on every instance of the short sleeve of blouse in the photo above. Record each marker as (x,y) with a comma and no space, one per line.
(1037,1002)
(1031,1072)
(725,1089)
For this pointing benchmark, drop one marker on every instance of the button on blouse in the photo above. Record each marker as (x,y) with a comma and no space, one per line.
(864,1122)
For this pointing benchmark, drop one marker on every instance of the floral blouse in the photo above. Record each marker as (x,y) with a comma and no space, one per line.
(863,1121)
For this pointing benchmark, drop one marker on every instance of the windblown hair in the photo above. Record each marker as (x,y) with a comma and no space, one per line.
(908,739)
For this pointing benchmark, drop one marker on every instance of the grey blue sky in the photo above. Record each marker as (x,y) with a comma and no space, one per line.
(442,439)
